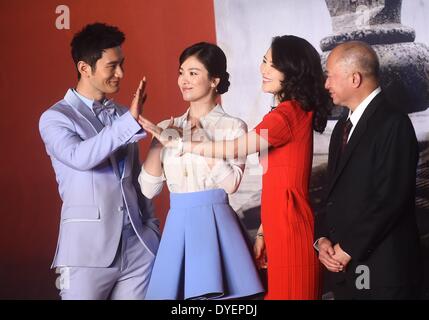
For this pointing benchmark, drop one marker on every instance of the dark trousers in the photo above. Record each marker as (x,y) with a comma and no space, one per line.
(344,291)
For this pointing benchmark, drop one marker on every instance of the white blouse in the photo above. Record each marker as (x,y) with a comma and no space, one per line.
(190,172)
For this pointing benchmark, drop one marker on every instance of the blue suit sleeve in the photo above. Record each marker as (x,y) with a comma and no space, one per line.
(63,142)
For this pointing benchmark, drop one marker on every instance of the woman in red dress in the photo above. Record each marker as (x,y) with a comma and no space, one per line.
(292,72)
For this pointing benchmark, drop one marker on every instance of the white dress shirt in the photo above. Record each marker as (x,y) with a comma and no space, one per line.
(191,172)
(360,109)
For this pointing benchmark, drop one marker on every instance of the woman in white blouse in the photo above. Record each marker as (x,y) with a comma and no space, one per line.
(203,252)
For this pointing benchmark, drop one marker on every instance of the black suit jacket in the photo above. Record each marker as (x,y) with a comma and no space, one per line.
(370,200)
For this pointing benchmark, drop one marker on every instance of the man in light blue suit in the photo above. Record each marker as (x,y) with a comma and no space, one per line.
(108,234)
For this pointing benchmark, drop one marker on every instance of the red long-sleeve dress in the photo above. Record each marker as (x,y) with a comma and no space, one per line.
(286,214)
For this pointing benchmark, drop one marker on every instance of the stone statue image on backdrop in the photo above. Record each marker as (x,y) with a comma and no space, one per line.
(326,23)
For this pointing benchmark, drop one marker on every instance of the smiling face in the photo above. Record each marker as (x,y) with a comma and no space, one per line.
(339,80)
(271,77)
(194,81)
(106,76)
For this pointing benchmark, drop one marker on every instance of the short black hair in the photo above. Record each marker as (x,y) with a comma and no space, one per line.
(89,43)
(213,59)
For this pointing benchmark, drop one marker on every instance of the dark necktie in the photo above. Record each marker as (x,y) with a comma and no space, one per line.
(346,131)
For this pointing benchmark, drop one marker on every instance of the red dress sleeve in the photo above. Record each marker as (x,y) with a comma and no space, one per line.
(278,129)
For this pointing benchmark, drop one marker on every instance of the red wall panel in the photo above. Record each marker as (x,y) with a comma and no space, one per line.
(36,71)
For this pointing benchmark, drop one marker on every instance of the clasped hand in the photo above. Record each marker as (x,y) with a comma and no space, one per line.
(332,257)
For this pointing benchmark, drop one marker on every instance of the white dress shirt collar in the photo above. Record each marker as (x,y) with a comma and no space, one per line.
(88,102)
(212,116)
(360,109)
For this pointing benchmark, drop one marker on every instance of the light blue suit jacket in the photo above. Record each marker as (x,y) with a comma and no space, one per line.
(95,197)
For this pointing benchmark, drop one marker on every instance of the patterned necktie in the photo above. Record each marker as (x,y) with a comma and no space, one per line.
(104,111)
(346,131)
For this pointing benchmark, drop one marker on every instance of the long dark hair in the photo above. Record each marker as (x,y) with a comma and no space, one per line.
(304,80)
(213,58)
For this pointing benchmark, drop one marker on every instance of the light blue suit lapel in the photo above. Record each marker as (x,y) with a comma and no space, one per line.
(128,162)
(73,100)
(115,165)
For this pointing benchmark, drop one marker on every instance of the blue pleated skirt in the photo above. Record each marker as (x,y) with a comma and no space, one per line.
(203,252)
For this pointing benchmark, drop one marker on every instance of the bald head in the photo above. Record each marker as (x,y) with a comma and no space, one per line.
(352,73)
(358,56)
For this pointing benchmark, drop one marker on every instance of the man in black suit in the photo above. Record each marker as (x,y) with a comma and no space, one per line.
(367,237)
